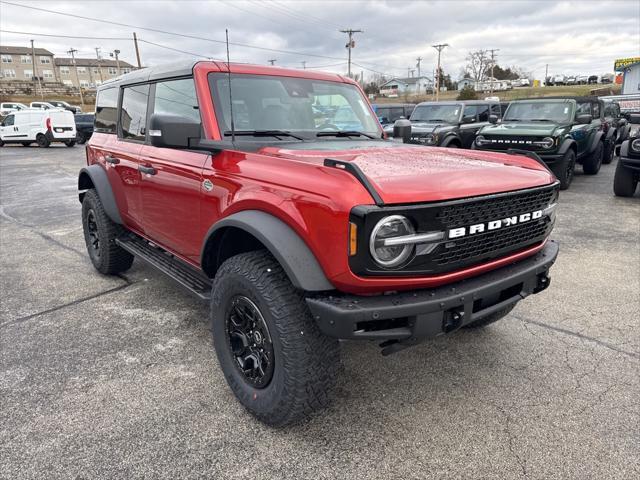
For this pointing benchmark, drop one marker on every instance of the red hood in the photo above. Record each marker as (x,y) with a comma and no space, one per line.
(409,174)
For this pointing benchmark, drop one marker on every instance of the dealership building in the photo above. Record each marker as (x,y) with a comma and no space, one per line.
(630,68)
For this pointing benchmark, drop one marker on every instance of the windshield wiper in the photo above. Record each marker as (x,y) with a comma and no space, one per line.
(262,133)
(344,133)
(540,120)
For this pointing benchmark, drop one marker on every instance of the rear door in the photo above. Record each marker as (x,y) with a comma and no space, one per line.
(172,180)
(63,124)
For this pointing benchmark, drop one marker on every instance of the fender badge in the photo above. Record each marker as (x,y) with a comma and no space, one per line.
(207,185)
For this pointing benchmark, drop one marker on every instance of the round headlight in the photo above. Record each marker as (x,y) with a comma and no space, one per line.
(547,142)
(635,145)
(390,227)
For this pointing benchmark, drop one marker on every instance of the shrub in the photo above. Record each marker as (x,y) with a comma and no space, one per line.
(467,93)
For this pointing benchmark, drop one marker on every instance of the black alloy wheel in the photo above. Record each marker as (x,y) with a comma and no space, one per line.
(250,342)
(93,237)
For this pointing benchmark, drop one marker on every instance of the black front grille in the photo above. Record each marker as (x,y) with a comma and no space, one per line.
(495,208)
(505,143)
(485,245)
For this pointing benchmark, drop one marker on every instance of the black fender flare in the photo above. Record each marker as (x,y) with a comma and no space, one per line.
(450,138)
(624,148)
(611,133)
(297,260)
(594,143)
(566,145)
(94,176)
(624,133)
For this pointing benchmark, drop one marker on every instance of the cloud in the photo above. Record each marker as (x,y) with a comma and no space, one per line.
(571,37)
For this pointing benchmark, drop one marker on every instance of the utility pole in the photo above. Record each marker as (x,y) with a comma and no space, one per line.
(351,44)
(419,60)
(272,61)
(35,69)
(304,64)
(135,43)
(546,75)
(99,66)
(72,52)
(408,71)
(493,50)
(439,48)
(115,53)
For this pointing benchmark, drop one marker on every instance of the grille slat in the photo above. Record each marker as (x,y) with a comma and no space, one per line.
(505,143)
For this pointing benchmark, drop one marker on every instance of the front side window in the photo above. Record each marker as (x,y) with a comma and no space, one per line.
(470,112)
(583,108)
(133,115)
(447,113)
(304,106)
(8,122)
(106,110)
(177,97)
(558,112)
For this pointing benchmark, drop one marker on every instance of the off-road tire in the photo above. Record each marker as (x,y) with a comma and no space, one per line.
(494,317)
(306,362)
(609,152)
(81,138)
(108,258)
(592,162)
(70,143)
(564,169)
(42,141)
(624,181)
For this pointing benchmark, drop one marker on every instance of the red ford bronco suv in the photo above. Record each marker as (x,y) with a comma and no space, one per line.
(235,181)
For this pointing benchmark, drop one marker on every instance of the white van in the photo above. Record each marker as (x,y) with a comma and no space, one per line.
(39,126)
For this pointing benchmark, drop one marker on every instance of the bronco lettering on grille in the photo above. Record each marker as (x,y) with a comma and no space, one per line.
(495,224)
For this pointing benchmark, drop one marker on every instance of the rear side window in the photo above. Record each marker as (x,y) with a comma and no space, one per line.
(106,111)
(177,97)
(133,115)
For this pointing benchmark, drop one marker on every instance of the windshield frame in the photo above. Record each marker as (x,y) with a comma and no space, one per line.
(514,104)
(460,105)
(308,134)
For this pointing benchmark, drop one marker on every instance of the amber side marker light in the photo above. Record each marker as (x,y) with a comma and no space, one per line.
(353,239)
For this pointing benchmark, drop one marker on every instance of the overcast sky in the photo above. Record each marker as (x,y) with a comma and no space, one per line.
(582,37)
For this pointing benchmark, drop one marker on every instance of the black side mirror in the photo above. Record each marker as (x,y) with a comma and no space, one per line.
(173,131)
(402,129)
(469,119)
(584,119)
(634,118)
(493,119)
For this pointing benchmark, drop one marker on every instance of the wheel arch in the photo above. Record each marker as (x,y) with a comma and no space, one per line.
(452,138)
(95,177)
(598,137)
(568,143)
(254,229)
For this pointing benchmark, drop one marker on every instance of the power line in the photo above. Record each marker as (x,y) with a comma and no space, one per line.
(300,18)
(177,50)
(63,36)
(166,32)
(305,16)
(350,44)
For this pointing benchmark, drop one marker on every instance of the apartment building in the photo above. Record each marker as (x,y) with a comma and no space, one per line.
(21,63)
(90,71)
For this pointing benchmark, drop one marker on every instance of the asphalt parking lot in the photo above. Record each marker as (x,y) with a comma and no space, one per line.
(116,378)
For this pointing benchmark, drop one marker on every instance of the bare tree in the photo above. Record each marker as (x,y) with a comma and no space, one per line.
(478,63)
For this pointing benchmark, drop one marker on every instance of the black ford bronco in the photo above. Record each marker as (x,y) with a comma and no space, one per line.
(450,124)
(561,131)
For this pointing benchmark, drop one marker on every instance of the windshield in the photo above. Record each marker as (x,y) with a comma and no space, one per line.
(302,106)
(437,113)
(558,112)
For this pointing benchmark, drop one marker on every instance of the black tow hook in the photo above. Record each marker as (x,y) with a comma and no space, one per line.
(543,283)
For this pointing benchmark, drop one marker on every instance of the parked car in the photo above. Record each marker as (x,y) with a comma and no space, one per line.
(618,125)
(298,235)
(450,124)
(607,78)
(548,81)
(571,80)
(582,79)
(593,79)
(559,80)
(84,126)
(8,107)
(40,126)
(65,105)
(41,105)
(561,131)
(627,173)
(388,113)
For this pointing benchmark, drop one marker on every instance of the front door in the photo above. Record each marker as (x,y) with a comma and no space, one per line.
(8,130)
(470,125)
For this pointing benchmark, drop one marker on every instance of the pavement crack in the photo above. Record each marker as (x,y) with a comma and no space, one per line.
(70,304)
(579,335)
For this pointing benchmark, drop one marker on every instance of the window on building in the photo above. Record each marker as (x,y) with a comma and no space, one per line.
(25,59)
(84,83)
(45,60)
(7,59)
(125,70)
(9,73)
(96,70)
(28,74)
(113,71)
(82,70)
(177,97)
(64,71)
(106,110)
(68,83)
(133,115)
(47,73)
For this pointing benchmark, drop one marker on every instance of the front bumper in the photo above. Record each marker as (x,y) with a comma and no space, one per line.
(632,163)
(415,315)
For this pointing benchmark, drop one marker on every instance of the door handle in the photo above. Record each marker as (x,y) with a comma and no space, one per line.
(147,170)
(112,160)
